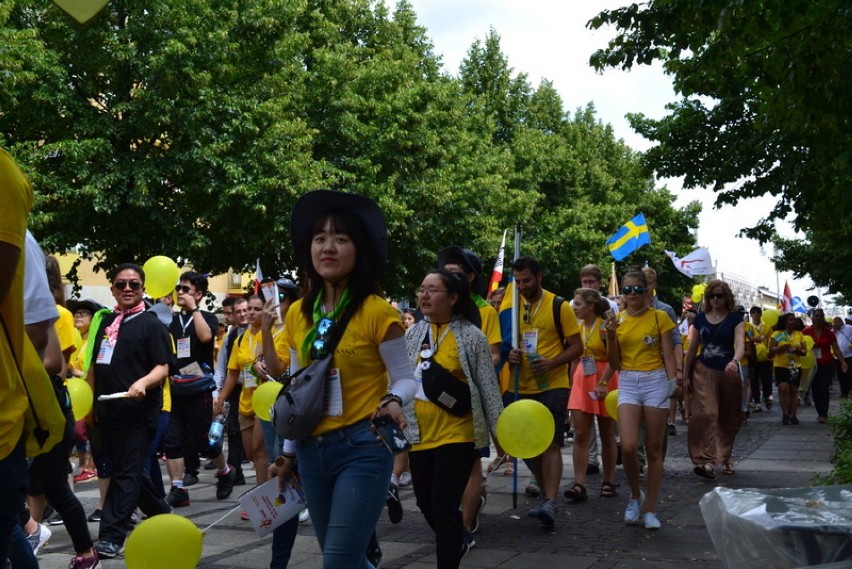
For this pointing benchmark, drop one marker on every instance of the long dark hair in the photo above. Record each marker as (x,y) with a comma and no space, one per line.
(362,280)
(782,321)
(459,285)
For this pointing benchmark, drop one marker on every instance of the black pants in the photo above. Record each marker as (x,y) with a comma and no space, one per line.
(439,476)
(844,379)
(235,437)
(13,488)
(819,388)
(49,476)
(761,380)
(186,434)
(127,440)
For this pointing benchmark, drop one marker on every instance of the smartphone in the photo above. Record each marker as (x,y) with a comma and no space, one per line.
(609,314)
(391,434)
(593,395)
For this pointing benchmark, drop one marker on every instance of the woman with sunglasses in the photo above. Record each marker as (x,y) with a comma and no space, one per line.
(787,345)
(340,241)
(715,380)
(639,346)
(247,349)
(444,441)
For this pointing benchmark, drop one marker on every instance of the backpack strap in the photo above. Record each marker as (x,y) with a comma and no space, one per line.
(557,318)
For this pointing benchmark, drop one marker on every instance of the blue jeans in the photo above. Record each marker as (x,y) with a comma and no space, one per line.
(270,439)
(13,489)
(345,474)
(20,551)
(282,543)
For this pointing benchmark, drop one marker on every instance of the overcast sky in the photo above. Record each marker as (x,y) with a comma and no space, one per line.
(549,39)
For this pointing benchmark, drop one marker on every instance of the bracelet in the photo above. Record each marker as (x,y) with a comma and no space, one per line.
(279,460)
(389,398)
(194,310)
(603,383)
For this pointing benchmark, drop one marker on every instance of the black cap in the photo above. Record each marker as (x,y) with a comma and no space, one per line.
(467,259)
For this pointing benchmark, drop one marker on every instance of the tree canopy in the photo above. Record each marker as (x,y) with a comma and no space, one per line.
(765,109)
(189,128)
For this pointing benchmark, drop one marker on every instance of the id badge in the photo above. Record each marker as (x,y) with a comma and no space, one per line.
(817,353)
(183,348)
(530,342)
(589,367)
(105,353)
(249,378)
(333,404)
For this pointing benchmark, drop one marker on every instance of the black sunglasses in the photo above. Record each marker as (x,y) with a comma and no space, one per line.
(527,318)
(182,289)
(633,289)
(132,285)
(319,346)
(715,295)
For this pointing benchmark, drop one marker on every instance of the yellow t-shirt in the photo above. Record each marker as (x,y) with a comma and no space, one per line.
(783,339)
(548,344)
(490,324)
(593,343)
(362,373)
(243,355)
(761,348)
(437,426)
(16,197)
(78,358)
(68,335)
(639,338)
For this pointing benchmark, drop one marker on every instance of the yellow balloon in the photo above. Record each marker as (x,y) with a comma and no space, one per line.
(611,404)
(161,276)
(81,397)
(264,398)
(525,428)
(167,540)
(770,317)
(698,292)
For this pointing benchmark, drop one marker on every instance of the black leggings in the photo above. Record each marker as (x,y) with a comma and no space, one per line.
(761,380)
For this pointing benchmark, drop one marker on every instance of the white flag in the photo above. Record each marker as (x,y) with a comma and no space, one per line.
(696,263)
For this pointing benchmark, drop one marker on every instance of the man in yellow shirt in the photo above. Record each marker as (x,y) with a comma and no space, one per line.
(545,351)
(16,195)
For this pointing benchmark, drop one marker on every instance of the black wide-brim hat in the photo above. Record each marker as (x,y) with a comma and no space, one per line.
(469,260)
(312,206)
(85,304)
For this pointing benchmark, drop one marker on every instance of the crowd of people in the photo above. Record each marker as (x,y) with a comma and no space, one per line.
(442,371)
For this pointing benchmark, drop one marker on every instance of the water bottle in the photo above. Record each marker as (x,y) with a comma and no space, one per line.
(217,427)
(540,380)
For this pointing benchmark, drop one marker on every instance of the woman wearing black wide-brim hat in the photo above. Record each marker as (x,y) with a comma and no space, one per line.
(340,240)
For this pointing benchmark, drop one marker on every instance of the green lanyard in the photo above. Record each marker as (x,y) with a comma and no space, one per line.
(318,315)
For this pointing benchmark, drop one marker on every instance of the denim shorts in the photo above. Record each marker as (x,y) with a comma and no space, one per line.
(643,388)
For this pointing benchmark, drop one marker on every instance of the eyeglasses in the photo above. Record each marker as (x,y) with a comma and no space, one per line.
(183,289)
(319,346)
(635,289)
(132,285)
(82,313)
(715,295)
(428,291)
(527,317)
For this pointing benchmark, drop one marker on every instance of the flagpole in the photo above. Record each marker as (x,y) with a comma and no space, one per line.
(515,343)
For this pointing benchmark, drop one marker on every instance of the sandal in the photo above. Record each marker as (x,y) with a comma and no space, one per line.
(509,470)
(577,493)
(728,469)
(705,471)
(608,490)
(496,463)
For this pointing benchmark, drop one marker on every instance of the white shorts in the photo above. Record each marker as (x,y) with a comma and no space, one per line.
(643,388)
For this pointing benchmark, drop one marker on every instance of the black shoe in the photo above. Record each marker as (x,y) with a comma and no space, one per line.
(785,420)
(47,512)
(467,544)
(54,520)
(189,479)
(209,465)
(593,468)
(225,483)
(178,497)
(374,555)
(240,480)
(95,516)
(672,430)
(393,504)
(794,420)
(108,550)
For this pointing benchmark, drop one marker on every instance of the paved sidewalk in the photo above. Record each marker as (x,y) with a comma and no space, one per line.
(590,534)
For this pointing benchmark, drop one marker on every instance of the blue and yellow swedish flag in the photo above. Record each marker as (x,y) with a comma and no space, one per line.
(630,237)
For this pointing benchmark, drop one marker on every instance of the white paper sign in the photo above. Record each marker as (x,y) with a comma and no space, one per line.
(267,508)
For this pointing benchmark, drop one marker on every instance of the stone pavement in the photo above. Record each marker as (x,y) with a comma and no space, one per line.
(589,534)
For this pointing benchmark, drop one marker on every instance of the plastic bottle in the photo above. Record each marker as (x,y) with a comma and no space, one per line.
(217,427)
(540,380)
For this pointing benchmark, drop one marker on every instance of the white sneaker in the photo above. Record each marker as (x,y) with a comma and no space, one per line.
(634,509)
(404,479)
(39,538)
(304,516)
(651,521)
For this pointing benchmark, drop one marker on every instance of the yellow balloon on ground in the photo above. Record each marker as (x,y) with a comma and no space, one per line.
(161,276)
(264,398)
(611,403)
(525,428)
(81,397)
(167,540)
(770,317)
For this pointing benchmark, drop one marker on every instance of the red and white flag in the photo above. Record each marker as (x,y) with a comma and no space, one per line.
(787,299)
(258,276)
(497,273)
(696,263)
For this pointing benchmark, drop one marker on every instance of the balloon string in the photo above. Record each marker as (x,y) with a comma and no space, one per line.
(228,513)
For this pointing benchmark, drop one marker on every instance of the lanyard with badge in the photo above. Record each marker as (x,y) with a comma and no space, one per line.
(588,360)
(107,347)
(183,343)
(249,377)
(427,352)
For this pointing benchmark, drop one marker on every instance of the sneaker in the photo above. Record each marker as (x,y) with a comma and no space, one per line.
(85,476)
(475,526)
(569,437)
(769,403)
(189,480)
(108,550)
(757,408)
(134,519)
(39,538)
(54,520)
(225,483)
(592,468)
(78,562)
(393,504)
(404,479)
(467,543)
(95,516)
(240,480)
(178,497)
(651,521)
(546,512)
(785,420)
(794,420)
(209,465)
(672,430)
(532,490)
(634,507)
(304,516)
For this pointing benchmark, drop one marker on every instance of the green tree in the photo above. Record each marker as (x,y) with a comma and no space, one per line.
(765,109)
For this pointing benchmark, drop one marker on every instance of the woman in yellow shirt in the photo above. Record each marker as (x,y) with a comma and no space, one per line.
(787,345)
(639,344)
(340,240)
